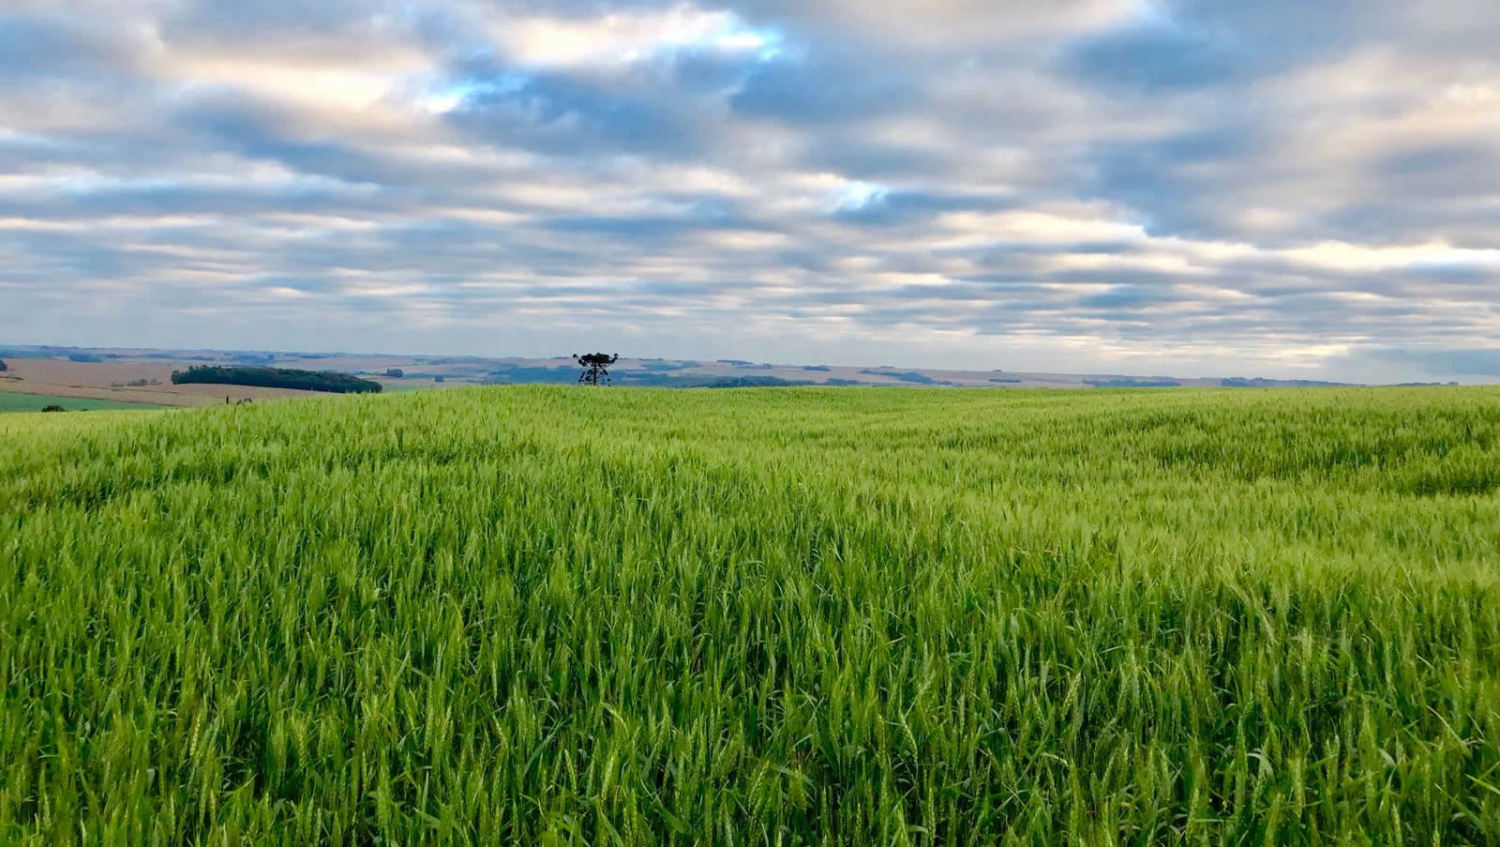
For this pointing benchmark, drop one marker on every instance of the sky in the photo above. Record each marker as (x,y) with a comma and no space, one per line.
(1285,188)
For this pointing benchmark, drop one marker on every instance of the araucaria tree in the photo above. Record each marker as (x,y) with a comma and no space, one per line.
(595,367)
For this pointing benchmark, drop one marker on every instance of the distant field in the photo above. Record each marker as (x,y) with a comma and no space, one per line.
(144,381)
(562,615)
(111,373)
(14,402)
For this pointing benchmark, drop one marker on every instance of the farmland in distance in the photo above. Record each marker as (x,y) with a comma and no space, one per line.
(12,401)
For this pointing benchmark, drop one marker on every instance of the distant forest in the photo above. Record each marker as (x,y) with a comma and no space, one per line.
(338,383)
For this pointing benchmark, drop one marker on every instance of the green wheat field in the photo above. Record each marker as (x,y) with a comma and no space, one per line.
(548,615)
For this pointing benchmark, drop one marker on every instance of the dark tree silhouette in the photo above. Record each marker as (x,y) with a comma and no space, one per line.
(595,367)
(340,383)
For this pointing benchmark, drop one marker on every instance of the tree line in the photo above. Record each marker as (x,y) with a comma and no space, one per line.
(337,383)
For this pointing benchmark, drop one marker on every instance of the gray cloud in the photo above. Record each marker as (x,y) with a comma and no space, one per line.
(1443,363)
(835,88)
(1149,57)
(1283,188)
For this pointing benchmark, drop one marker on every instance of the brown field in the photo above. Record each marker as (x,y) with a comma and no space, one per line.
(108,381)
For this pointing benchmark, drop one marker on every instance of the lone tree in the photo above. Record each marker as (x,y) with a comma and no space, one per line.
(595,367)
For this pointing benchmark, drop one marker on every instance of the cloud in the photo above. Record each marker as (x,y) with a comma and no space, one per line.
(831,89)
(945,25)
(1180,186)
(1484,362)
(619,38)
(1154,56)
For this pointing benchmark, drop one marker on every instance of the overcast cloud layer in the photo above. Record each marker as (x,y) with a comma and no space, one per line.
(1296,189)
